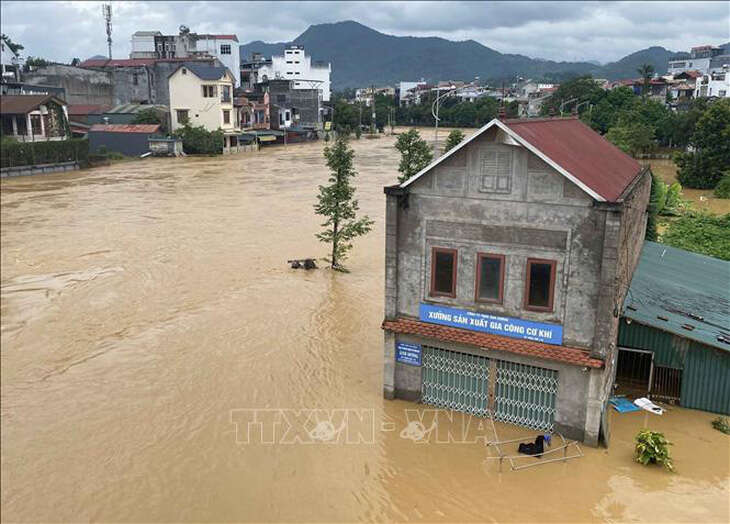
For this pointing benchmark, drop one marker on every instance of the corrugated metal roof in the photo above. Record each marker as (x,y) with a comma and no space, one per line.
(135,108)
(673,288)
(204,71)
(582,152)
(86,109)
(126,128)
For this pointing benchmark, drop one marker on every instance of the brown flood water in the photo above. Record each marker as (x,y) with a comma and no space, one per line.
(144,303)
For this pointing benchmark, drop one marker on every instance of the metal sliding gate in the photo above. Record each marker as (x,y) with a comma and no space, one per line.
(525,395)
(455,380)
(521,394)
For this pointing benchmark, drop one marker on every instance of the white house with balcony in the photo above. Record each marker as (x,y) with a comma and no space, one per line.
(202,95)
(715,84)
(297,66)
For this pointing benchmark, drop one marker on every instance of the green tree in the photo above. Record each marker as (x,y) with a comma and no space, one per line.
(12,45)
(34,62)
(573,92)
(149,116)
(703,166)
(723,187)
(703,233)
(632,137)
(336,202)
(454,139)
(647,72)
(200,141)
(415,154)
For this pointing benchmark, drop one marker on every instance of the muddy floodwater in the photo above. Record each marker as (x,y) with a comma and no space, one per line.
(161,362)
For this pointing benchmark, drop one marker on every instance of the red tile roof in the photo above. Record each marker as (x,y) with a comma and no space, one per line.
(224,37)
(126,128)
(568,355)
(86,109)
(582,152)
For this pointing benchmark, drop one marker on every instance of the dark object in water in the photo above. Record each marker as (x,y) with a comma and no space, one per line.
(306,263)
(531,448)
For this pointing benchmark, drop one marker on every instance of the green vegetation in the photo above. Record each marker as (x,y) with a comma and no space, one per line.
(415,154)
(200,141)
(704,165)
(723,186)
(336,202)
(453,113)
(13,153)
(632,137)
(722,424)
(702,233)
(652,448)
(647,72)
(150,116)
(454,139)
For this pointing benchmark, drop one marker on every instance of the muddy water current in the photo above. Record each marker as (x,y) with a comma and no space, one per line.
(161,362)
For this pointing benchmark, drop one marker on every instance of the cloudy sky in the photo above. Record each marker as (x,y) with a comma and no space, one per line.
(602,31)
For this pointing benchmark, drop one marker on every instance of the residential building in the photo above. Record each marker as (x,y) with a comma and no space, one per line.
(715,84)
(699,58)
(202,95)
(506,264)
(79,84)
(187,45)
(673,340)
(34,118)
(405,91)
(293,65)
(365,94)
(293,107)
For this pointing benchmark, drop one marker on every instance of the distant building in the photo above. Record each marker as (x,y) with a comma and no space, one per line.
(34,118)
(405,91)
(293,107)
(714,84)
(202,95)
(293,65)
(365,94)
(153,44)
(699,58)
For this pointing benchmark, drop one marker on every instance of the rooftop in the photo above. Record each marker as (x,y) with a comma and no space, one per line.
(673,288)
(21,104)
(203,71)
(568,355)
(572,148)
(126,128)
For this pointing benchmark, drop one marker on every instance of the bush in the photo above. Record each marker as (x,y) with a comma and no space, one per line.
(721,424)
(653,448)
(15,154)
(702,233)
(200,141)
(723,187)
(454,139)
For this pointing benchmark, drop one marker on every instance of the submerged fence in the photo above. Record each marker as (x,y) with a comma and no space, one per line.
(17,154)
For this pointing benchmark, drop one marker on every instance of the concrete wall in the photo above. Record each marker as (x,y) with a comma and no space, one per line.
(528,211)
(81,86)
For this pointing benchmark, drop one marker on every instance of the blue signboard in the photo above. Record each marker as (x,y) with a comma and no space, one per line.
(408,353)
(494,324)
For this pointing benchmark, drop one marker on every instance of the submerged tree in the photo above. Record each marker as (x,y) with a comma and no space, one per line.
(336,203)
(415,154)
(454,139)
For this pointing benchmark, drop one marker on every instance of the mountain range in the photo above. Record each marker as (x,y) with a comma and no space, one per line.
(361,56)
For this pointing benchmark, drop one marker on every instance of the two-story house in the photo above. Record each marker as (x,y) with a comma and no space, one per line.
(202,95)
(507,261)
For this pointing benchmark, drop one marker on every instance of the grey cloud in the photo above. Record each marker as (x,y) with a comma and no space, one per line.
(557,30)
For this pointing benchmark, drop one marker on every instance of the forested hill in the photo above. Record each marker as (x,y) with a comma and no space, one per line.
(362,56)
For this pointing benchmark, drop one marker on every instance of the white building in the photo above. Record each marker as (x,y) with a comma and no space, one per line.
(297,66)
(716,84)
(698,59)
(153,44)
(405,91)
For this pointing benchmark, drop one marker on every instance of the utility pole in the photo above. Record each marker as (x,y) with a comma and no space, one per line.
(106,10)
(372,117)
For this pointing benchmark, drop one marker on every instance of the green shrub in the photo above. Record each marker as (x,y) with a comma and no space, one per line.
(723,187)
(454,139)
(13,154)
(702,233)
(652,448)
(200,141)
(722,424)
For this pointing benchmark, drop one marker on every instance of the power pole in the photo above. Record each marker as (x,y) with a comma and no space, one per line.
(372,118)
(106,10)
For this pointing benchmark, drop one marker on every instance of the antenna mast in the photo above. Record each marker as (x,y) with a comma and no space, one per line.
(106,10)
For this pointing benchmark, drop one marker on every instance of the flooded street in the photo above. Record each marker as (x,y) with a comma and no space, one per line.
(147,308)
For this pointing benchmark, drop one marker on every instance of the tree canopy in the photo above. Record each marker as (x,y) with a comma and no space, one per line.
(415,154)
